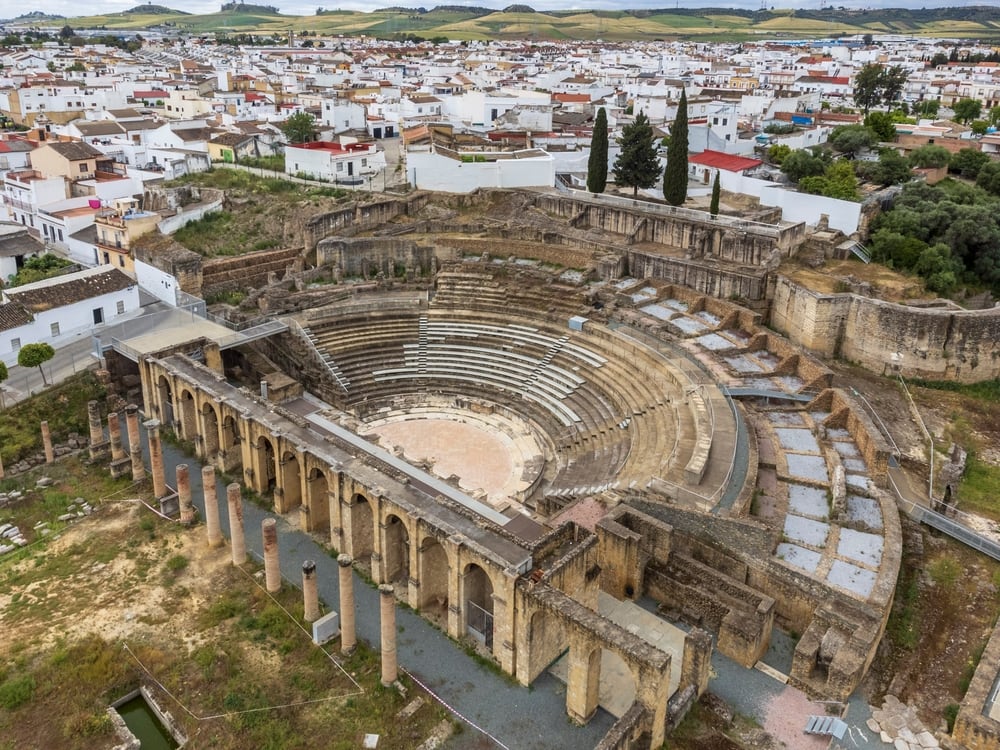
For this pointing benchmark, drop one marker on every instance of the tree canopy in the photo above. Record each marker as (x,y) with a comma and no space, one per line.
(852,139)
(876,84)
(35,355)
(637,166)
(675,175)
(967,109)
(597,163)
(299,128)
(800,163)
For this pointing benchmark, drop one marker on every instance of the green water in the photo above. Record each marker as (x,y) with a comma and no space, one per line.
(139,718)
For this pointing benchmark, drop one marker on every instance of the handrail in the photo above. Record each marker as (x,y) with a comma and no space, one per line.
(927,435)
(882,426)
(298,331)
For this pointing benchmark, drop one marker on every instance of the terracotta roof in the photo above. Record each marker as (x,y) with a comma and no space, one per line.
(105,127)
(13,315)
(66,290)
(75,150)
(720,160)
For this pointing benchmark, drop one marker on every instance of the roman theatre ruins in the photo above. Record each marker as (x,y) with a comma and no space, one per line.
(527,411)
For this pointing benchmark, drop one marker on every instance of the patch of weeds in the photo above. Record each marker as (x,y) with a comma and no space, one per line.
(950,714)
(16,691)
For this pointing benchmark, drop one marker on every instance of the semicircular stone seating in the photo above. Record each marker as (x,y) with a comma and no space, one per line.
(613,410)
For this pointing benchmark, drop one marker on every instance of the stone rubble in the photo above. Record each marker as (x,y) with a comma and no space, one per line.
(897,724)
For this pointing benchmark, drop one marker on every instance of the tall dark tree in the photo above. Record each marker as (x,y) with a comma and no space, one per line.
(597,164)
(675,176)
(713,207)
(893,80)
(967,109)
(868,87)
(637,166)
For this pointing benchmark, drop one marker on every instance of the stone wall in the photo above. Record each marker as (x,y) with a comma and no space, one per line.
(249,270)
(704,277)
(934,343)
(360,216)
(367,257)
(815,376)
(173,258)
(974,729)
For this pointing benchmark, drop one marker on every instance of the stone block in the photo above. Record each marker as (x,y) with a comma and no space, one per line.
(326,628)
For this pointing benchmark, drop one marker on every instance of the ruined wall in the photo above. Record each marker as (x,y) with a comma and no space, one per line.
(923,342)
(935,344)
(810,319)
(360,216)
(249,270)
(814,375)
(973,730)
(704,278)
(172,258)
(371,256)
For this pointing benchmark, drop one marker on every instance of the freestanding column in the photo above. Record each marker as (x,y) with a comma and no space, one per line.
(47,443)
(156,458)
(184,494)
(238,539)
(115,436)
(387,605)
(1,467)
(272,567)
(134,448)
(310,594)
(348,639)
(98,445)
(211,506)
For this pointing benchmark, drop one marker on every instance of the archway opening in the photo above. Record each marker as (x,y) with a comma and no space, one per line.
(317,501)
(291,483)
(434,573)
(211,440)
(362,530)
(164,405)
(266,468)
(188,423)
(396,552)
(477,590)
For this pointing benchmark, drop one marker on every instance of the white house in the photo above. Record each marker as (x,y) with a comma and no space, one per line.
(336,162)
(434,167)
(56,310)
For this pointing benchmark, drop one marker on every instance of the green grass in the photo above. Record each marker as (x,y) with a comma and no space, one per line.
(64,407)
(980,488)
(987,390)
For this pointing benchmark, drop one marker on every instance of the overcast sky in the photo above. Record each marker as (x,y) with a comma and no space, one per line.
(70,8)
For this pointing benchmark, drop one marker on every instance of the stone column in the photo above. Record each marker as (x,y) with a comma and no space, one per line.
(184,494)
(1,467)
(98,445)
(115,436)
(156,458)
(211,506)
(239,542)
(387,605)
(134,448)
(272,566)
(47,443)
(348,639)
(310,592)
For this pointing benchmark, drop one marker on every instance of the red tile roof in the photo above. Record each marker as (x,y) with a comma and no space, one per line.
(727,162)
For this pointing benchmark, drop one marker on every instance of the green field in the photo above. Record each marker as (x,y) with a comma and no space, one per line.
(458,23)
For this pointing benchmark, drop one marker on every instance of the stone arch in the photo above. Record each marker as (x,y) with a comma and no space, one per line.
(164,400)
(187,416)
(288,495)
(211,440)
(546,642)
(316,501)
(477,601)
(362,528)
(230,444)
(583,691)
(266,465)
(396,552)
(435,570)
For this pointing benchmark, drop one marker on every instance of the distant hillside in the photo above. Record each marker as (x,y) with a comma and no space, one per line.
(154,10)
(36,15)
(460,23)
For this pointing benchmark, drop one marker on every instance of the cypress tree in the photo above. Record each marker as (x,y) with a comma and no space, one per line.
(675,177)
(597,165)
(713,207)
(637,165)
